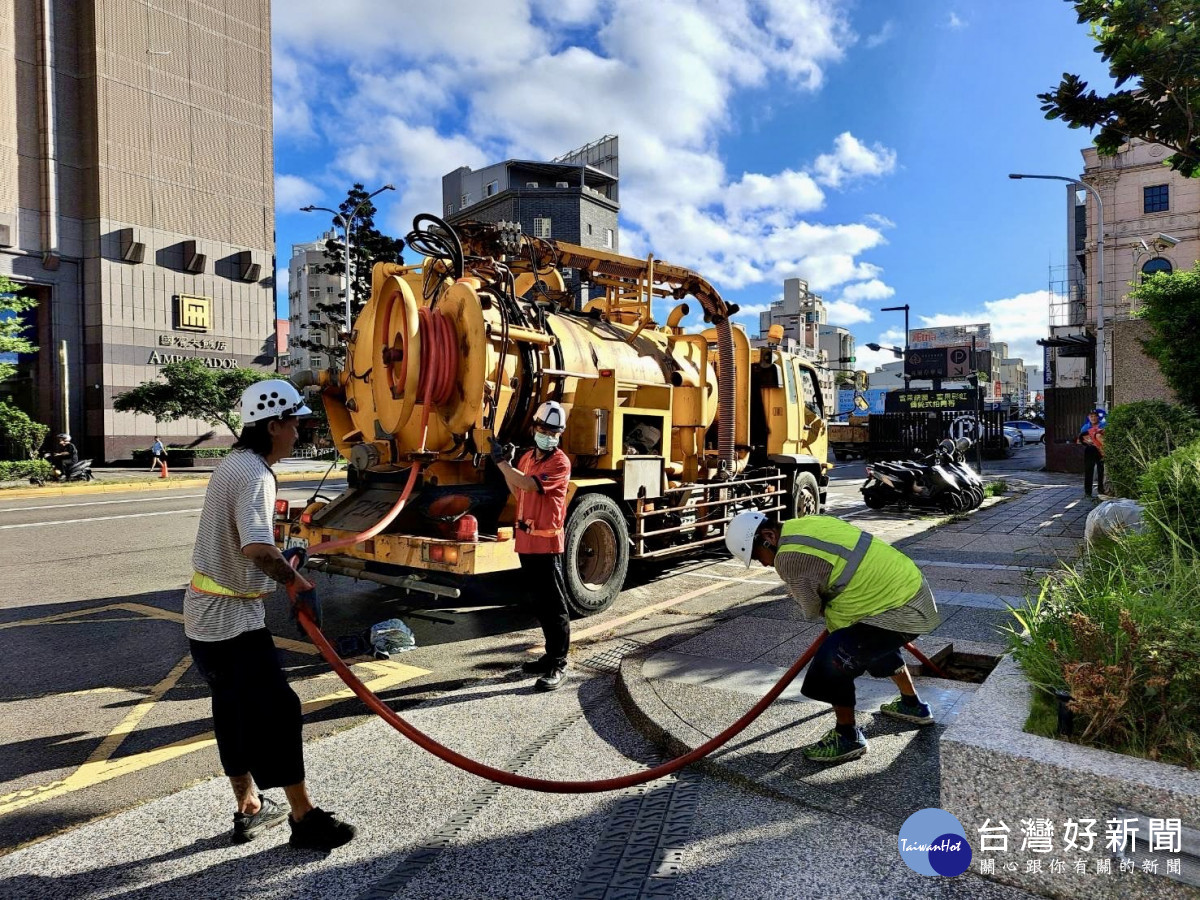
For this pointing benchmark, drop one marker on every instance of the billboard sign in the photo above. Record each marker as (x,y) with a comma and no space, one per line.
(874,398)
(926,363)
(951,336)
(930,401)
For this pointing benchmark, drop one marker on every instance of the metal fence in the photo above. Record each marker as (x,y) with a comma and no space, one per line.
(902,434)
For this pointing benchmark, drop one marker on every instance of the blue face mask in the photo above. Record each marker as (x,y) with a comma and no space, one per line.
(545,442)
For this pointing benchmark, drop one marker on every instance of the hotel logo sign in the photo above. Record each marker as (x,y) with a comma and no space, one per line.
(192,313)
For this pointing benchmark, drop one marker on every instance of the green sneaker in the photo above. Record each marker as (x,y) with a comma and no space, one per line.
(919,713)
(833,748)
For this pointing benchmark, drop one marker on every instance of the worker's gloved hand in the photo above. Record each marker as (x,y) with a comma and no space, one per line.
(501,452)
(304,597)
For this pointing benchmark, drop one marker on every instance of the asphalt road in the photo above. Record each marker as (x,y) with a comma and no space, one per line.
(102,709)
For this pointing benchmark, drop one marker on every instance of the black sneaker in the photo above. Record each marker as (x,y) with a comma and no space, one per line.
(248,827)
(541,666)
(319,830)
(552,680)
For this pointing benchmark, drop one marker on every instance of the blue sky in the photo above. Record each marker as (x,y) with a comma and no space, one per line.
(863,146)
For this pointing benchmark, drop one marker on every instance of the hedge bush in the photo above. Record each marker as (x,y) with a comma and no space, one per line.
(1170,493)
(24,469)
(1138,434)
(180,453)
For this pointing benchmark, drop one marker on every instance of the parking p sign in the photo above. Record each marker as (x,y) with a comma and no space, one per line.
(958,362)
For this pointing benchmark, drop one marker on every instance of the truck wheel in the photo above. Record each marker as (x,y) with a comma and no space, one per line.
(595,555)
(806,496)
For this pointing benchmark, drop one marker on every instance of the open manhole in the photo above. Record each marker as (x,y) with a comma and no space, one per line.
(970,665)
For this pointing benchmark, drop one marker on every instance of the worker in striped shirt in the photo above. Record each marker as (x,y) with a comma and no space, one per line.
(874,600)
(256,714)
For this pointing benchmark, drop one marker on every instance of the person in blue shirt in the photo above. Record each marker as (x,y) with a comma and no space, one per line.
(1091,435)
(158,455)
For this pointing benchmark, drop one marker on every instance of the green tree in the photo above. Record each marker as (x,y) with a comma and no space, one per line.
(1153,46)
(369,245)
(191,390)
(1171,304)
(21,431)
(12,304)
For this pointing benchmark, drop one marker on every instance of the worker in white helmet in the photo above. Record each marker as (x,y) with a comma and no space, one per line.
(874,600)
(256,714)
(539,482)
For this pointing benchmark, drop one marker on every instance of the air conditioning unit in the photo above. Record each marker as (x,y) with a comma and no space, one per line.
(193,261)
(248,269)
(561,184)
(531,184)
(132,250)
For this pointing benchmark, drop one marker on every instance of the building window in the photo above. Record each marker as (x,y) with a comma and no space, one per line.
(608,238)
(1156,198)
(463,201)
(541,228)
(316,362)
(1156,265)
(314,293)
(329,289)
(492,187)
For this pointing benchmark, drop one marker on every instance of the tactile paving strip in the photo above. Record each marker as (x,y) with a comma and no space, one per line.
(391,883)
(609,659)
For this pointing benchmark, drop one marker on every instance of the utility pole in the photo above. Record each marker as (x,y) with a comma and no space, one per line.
(898,309)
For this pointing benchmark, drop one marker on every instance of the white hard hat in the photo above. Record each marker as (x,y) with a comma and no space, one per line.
(739,536)
(551,415)
(272,399)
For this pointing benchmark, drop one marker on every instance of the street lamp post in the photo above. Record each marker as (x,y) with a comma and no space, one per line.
(347,224)
(1101,356)
(905,309)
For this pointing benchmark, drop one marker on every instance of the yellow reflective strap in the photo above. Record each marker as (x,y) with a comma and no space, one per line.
(205,585)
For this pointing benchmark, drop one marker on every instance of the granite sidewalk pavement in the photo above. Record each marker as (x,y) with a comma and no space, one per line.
(682,692)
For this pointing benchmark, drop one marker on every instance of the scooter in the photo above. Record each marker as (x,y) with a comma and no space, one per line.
(80,470)
(956,452)
(928,482)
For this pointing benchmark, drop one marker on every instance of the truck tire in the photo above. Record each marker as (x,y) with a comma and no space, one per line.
(595,554)
(806,496)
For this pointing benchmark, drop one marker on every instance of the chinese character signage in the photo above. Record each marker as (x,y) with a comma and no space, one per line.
(929,401)
(192,313)
(951,336)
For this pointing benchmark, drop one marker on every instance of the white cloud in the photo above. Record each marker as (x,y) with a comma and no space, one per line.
(954,22)
(840,312)
(409,105)
(867,290)
(879,221)
(886,32)
(292,192)
(851,158)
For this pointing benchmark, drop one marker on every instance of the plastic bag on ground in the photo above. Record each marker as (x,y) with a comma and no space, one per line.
(1112,518)
(391,636)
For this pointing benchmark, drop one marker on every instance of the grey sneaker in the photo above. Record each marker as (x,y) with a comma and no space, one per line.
(920,713)
(248,827)
(552,680)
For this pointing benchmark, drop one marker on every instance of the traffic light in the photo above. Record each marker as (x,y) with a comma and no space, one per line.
(845,359)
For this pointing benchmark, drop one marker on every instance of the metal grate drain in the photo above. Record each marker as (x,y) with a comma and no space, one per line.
(609,659)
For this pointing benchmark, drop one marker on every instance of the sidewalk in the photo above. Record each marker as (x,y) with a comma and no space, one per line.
(682,692)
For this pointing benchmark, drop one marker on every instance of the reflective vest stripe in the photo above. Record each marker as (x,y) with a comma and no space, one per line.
(853,556)
(202,584)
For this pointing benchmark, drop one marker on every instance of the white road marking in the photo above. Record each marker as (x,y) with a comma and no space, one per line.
(98,503)
(169,512)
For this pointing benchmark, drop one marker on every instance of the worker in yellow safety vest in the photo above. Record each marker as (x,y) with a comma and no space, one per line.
(874,600)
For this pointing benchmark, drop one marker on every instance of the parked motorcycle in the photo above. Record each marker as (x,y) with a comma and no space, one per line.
(80,470)
(941,480)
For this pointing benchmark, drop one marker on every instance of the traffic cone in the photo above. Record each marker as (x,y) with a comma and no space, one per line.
(164,470)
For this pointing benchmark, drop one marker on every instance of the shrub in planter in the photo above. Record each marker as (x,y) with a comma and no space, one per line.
(1170,494)
(1137,434)
(1119,633)
(24,469)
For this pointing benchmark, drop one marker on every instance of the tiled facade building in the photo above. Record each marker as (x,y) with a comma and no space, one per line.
(136,200)
(308,289)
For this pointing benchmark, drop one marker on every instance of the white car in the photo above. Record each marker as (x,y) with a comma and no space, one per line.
(1014,440)
(1032,432)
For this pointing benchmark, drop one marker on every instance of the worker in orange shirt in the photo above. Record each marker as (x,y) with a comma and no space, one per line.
(539,482)
(1091,435)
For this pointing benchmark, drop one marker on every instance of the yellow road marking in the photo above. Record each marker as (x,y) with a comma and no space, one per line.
(98,770)
(133,718)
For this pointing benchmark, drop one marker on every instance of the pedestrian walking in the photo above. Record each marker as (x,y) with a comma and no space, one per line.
(539,482)
(256,714)
(158,457)
(1091,435)
(874,600)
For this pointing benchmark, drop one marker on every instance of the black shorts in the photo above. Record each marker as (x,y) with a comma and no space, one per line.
(846,654)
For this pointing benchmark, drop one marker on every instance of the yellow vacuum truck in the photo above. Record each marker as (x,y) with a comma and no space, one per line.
(670,431)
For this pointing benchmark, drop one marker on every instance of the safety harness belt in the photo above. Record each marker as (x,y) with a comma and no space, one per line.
(853,556)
